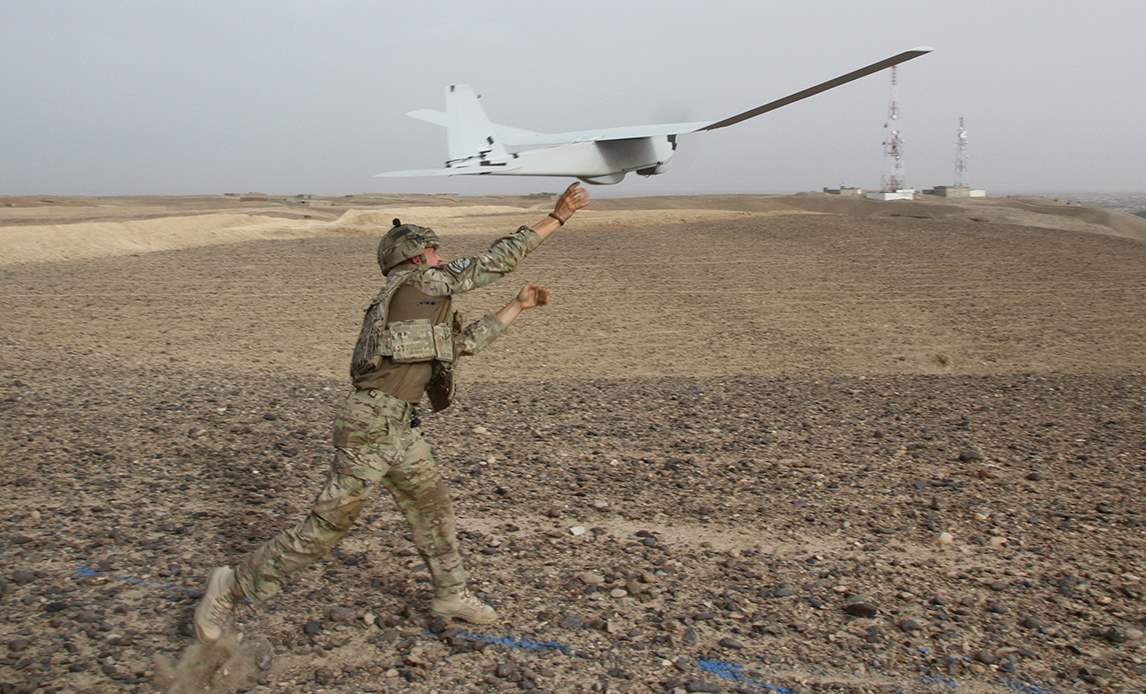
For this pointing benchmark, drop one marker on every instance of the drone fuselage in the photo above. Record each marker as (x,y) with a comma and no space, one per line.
(600,162)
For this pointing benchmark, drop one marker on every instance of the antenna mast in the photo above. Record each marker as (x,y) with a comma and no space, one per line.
(893,178)
(961,155)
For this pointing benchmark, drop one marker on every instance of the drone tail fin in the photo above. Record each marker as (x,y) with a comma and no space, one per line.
(469,132)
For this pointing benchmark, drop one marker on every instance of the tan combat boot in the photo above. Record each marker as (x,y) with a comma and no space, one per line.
(462,604)
(219,600)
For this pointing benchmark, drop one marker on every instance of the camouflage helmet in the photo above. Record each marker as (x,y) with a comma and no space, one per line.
(402,242)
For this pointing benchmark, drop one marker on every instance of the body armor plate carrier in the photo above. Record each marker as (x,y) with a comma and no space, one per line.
(405,342)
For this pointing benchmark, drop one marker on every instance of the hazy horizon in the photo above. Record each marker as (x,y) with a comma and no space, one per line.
(135,98)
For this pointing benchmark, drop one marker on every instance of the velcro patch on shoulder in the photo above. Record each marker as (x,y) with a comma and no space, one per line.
(459,265)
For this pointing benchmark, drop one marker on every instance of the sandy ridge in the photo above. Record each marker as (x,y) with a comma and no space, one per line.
(196,224)
(66,242)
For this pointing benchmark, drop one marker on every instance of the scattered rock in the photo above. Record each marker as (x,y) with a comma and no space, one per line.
(702,686)
(781,591)
(312,627)
(618,592)
(860,608)
(944,539)
(909,625)
(577,530)
(1093,675)
(731,643)
(1034,476)
(1114,635)
(342,615)
(323,676)
(591,578)
(970,455)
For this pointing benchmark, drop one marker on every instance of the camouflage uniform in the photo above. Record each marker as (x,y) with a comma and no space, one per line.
(375,444)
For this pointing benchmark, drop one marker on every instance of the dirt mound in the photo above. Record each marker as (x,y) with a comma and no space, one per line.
(1118,223)
(472,217)
(34,243)
(1031,211)
(494,219)
(55,242)
(26,238)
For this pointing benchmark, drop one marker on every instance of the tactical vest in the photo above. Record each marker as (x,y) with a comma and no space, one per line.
(406,342)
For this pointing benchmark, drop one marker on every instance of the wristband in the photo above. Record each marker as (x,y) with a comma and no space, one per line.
(559,220)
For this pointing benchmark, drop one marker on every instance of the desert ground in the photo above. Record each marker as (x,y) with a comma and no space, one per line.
(755,443)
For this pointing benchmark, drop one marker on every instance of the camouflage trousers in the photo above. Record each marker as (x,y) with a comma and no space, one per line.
(374,447)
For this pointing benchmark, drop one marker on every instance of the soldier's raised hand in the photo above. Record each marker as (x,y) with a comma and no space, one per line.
(532,295)
(574,198)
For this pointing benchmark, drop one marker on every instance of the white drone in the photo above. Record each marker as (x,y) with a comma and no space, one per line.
(478,147)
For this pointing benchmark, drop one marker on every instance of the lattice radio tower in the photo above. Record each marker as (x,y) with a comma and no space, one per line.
(893,178)
(961,155)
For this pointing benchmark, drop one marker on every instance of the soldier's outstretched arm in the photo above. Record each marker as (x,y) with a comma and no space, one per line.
(466,274)
(477,335)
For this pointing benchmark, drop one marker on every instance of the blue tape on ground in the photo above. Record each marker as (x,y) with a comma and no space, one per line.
(87,571)
(734,672)
(937,680)
(1026,687)
(511,642)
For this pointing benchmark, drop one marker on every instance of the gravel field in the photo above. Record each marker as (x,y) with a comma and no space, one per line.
(787,451)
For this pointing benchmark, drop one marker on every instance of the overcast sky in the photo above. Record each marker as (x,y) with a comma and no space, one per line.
(153,96)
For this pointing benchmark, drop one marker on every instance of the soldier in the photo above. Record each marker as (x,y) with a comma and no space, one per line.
(410,340)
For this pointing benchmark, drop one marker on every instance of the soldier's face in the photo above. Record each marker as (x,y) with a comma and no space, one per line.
(432,257)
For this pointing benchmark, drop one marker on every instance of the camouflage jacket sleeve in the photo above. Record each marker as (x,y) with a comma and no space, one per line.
(477,335)
(466,274)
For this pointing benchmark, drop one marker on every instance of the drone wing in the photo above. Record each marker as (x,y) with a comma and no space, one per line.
(821,87)
(528,138)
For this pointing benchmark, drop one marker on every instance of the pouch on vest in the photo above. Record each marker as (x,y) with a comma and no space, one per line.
(440,389)
(418,340)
